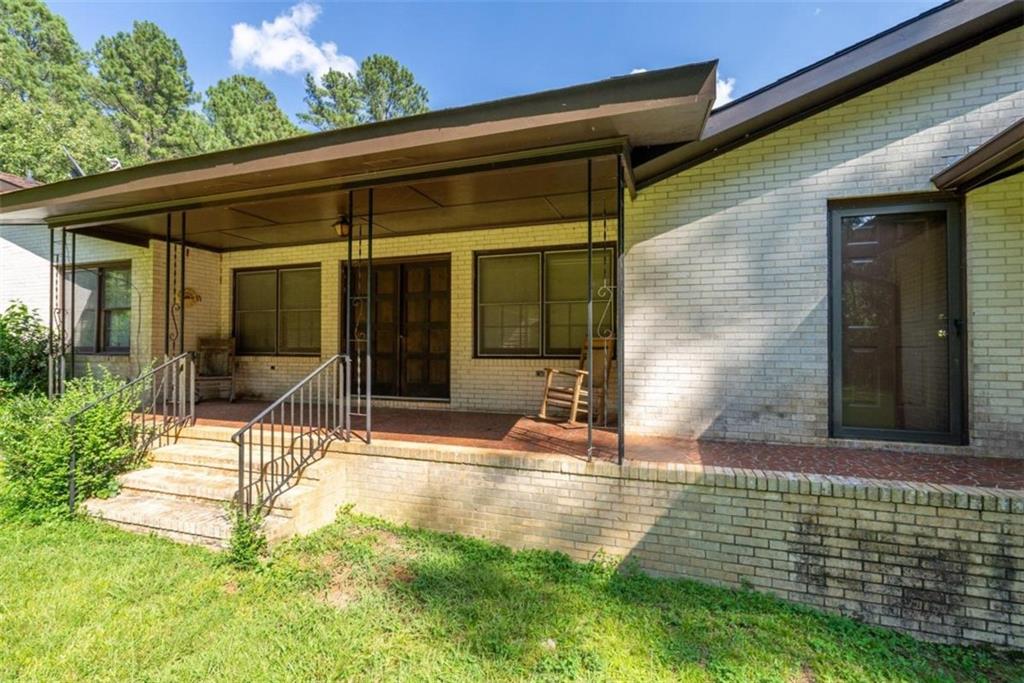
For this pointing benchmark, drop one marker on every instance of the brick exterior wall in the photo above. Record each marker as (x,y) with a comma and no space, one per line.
(727,273)
(995,292)
(942,563)
(509,385)
(726,312)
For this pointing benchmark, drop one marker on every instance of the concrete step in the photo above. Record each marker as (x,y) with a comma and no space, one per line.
(185,494)
(184,521)
(215,455)
(199,484)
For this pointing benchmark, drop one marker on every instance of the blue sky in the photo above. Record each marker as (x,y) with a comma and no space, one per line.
(471,52)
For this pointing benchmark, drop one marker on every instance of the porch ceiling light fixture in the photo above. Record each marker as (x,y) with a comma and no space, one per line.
(341,227)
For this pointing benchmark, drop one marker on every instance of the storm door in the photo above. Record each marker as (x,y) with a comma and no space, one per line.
(897,323)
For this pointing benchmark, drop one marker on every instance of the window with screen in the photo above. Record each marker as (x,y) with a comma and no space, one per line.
(277,311)
(103,309)
(535,303)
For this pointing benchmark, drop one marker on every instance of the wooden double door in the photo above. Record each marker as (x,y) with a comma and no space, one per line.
(411,326)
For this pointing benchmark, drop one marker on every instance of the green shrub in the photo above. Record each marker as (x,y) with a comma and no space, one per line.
(248,543)
(23,351)
(36,444)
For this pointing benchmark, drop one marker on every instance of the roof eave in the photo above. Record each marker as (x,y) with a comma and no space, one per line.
(920,42)
(1001,153)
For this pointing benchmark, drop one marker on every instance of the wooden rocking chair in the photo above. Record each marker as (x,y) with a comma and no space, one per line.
(215,366)
(568,388)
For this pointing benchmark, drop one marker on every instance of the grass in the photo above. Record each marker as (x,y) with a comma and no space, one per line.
(364,600)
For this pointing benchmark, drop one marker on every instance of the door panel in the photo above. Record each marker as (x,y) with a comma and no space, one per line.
(411,330)
(896,350)
(426,330)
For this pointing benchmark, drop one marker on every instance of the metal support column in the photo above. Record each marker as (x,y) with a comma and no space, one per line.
(348,278)
(73,313)
(620,312)
(369,316)
(590,309)
(167,290)
(62,376)
(50,374)
(181,289)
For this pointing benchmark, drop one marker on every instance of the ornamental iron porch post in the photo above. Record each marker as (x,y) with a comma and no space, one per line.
(590,309)
(71,348)
(620,311)
(50,375)
(62,308)
(181,289)
(167,289)
(369,317)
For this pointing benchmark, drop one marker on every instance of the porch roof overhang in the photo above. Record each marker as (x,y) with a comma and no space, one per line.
(516,161)
(999,156)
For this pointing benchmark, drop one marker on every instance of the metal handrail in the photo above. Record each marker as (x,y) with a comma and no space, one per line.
(171,404)
(291,433)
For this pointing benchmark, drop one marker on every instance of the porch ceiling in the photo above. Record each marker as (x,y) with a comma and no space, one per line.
(510,162)
(547,193)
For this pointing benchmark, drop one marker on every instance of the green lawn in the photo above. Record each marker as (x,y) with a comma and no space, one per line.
(363,600)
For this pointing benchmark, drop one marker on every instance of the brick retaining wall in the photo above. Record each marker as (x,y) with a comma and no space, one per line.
(944,563)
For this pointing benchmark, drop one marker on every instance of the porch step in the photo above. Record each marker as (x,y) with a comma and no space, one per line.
(184,521)
(201,484)
(185,494)
(213,455)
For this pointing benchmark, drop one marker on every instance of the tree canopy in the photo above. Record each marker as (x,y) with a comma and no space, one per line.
(131,98)
(381,89)
(47,98)
(145,87)
(244,111)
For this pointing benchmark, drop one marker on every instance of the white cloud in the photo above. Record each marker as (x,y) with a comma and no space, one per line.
(723,91)
(284,44)
(637,71)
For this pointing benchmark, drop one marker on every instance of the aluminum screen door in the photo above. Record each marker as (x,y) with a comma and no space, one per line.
(896,323)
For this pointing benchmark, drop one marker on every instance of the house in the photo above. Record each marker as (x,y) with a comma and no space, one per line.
(832,265)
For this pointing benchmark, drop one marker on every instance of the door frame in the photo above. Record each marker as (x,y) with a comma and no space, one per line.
(344,325)
(957,332)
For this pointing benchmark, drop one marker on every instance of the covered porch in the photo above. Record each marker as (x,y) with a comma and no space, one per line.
(491,433)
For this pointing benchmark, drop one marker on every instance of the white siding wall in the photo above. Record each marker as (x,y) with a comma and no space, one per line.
(24,266)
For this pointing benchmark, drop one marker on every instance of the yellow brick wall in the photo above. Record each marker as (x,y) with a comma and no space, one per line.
(476,383)
(944,563)
(995,296)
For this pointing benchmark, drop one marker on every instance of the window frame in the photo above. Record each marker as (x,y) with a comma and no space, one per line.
(541,252)
(956,296)
(277,310)
(99,346)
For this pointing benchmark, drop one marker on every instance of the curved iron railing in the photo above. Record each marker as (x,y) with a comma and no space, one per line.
(166,402)
(291,433)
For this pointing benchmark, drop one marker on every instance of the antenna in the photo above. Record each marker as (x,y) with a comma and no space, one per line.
(76,170)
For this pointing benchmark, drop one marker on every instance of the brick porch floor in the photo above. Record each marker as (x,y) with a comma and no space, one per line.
(513,432)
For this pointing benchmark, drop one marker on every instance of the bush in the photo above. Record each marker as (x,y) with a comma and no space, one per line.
(23,351)
(36,445)
(248,543)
